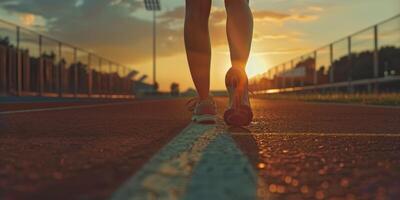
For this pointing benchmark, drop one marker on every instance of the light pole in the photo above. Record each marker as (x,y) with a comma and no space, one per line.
(153,5)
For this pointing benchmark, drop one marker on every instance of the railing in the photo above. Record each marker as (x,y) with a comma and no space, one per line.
(361,61)
(35,65)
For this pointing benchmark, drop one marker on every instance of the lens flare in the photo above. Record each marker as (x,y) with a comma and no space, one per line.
(256,65)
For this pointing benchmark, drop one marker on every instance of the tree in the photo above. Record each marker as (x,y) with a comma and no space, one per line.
(174,89)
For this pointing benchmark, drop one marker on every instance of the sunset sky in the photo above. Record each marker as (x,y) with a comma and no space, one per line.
(121,30)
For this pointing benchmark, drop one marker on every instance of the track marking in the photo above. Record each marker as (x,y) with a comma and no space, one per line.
(201,162)
(323,134)
(168,172)
(353,104)
(74,107)
(223,173)
(61,108)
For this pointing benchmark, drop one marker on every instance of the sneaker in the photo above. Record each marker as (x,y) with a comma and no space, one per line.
(204,111)
(239,112)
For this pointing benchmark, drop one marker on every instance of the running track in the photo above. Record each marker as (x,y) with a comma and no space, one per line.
(149,150)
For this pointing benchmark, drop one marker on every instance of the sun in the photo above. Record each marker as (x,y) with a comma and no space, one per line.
(28,19)
(256,65)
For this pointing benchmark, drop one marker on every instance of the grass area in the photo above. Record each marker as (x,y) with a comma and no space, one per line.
(384,99)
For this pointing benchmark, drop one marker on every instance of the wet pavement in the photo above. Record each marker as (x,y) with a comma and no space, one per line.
(81,153)
(323,151)
(292,150)
(328,167)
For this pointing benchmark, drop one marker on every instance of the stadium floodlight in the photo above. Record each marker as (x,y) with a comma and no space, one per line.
(153,5)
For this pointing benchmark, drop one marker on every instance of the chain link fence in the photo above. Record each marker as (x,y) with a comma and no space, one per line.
(35,65)
(368,60)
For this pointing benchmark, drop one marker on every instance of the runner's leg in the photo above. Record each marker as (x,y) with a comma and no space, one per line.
(240,31)
(197,42)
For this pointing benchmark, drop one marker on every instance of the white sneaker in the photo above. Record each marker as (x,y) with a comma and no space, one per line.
(204,111)
(239,112)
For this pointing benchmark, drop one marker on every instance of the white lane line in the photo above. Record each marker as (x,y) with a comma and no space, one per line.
(201,162)
(166,175)
(74,107)
(353,104)
(321,134)
(60,108)
(224,173)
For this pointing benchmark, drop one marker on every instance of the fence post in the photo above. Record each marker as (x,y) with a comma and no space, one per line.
(116,82)
(350,64)
(126,87)
(89,75)
(3,70)
(315,69)
(119,89)
(269,82)
(291,78)
(376,58)
(19,65)
(111,80)
(123,80)
(283,75)
(60,71)
(302,80)
(275,78)
(100,81)
(41,67)
(75,73)
(109,90)
(9,75)
(331,77)
(106,78)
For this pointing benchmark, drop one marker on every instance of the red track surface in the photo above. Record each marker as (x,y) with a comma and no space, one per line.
(89,152)
(82,152)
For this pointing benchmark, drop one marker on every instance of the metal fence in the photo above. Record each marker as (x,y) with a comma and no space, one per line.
(365,61)
(35,65)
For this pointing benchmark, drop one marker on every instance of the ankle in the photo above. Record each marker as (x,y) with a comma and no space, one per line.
(238,67)
(203,97)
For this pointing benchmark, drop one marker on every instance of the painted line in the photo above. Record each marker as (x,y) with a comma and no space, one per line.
(321,134)
(201,162)
(75,107)
(166,175)
(224,172)
(353,105)
(61,108)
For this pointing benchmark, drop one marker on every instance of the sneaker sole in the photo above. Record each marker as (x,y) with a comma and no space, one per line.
(238,115)
(204,119)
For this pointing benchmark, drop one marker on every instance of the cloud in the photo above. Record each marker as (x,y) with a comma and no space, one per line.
(174,14)
(285,36)
(174,19)
(218,19)
(282,51)
(315,8)
(110,27)
(272,16)
(279,51)
(107,27)
(218,16)
(261,37)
